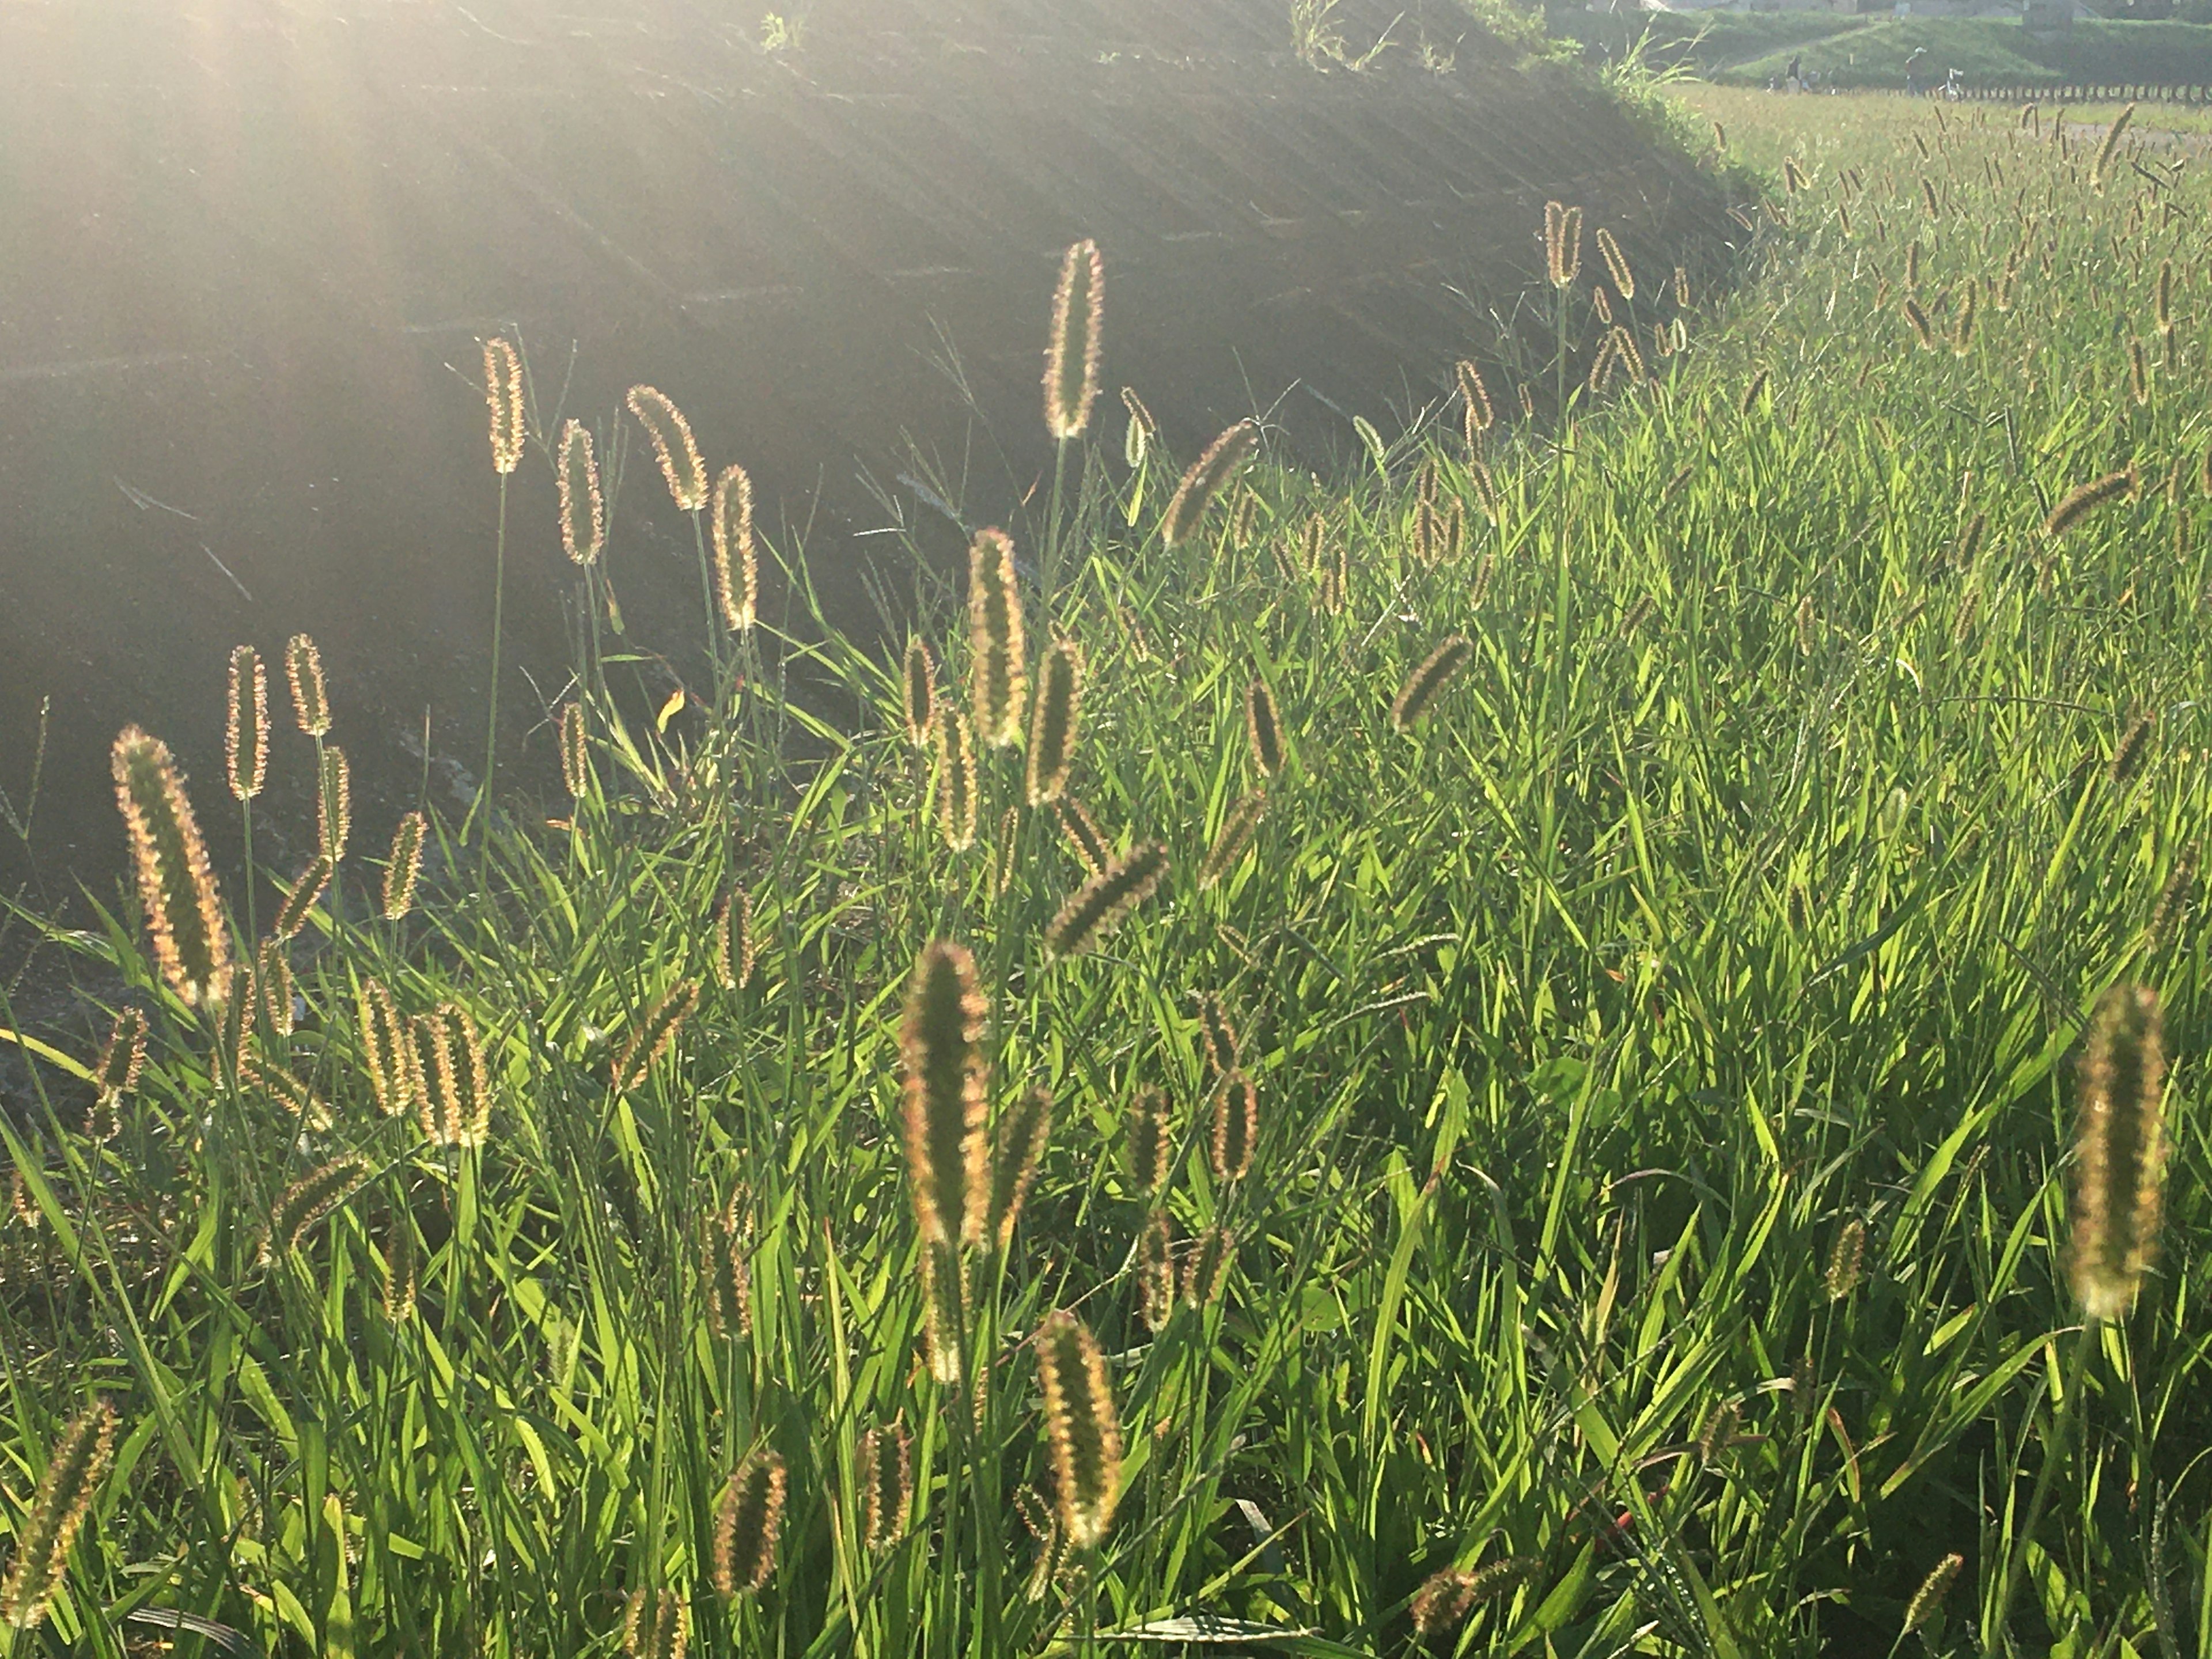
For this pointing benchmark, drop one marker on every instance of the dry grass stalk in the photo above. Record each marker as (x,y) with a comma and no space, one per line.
(1237,825)
(1224,458)
(1426,683)
(2120,1157)
(176,883)
(1081,1425)
(311,702)
(245,738)
(997,651)
(746,1523)
(583,509)
(918,692)
(504,394)
(941,1056)
(656,1625)
(73,1471)
(736,562)
(1071,357)
(405,866)
(1024,1131)
(679,452)
(1099,905)
(955,779)
(1054,722)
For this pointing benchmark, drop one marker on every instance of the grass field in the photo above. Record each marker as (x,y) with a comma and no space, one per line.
(1585,1170)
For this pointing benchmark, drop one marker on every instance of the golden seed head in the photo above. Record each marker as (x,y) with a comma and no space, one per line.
(176,883)
(2162,297)
(1156,1273)
(1136,437)
(998,650)
(1681,287)
(1480,415)
(1423,685)
(680,461)
(583,509)
(1933,1589)
(1563,244)
(1236,1127)
(43,1537)
(737,562)
(654,1034)
(1054,722)
(955,779)
(1629,355)
(656,1625)
(399,1275)
(299,902)
(1962,329)
(941,1053)
(314,1195)
(726,1267)
(919,687)
(395,1074)
(1846,1260)
(2173,898)
(246,742)
(1005,852)
(1442,1603)
(575,751)
(1024,1129)
(1150,1141)
(272,986)
(1601,303)
(2128,753)
(1218,1040)
(733,940)
(311,702)
(333,802)
(2109,149)
(1082,1428)
(1207,1273)
(884,1463)
(452,1096)
(1238,825)
(1097,906)
(1224,457)
(405,866)
(944,1312)
(1070,355)
(746,1523)
(504,394)
(1083,834)
(124,1055)
(2120,1151)
(1616,262)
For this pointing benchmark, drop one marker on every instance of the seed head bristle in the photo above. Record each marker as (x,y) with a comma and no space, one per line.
(1846,1260)
(73,1471)
(919,687)
(1071,356)
(504,394)
(941,1053)
(311,702)
(299,903)
(245,739)
(575,751)
(1224,458)
(583,509)
(1218,1040)
(405,866)
(1150,1141)
(1616,262)
(1207,1273)
(1237,825)
(176,883)
(2084,498)
(1423,684)
(1136,437)
(314,1195)
(654,1035)
(2120,1151)
(885,1462)
(395,1077)
(1156,1273)
(1629,355)
(333,802)
(1055,721)
(1602,304)
(997,651)
(680,462)
(656,1625)
(1563,244)
(736,562)
(1480,413)
(955,779)
(746,1523)
(122,1057)
(1083,834)
(1098,906)
(273,988)
(1082,1428)
(1024,1129)
(1236,1127)
(1263,731)
(1681,289)
(733,940)
(1933,1589)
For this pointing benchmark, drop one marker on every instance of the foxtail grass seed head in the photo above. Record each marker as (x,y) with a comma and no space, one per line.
(1426,683)
(1480,415)
(405,866)
(246,740)
(1098,906)
(943,1313)
(176,883)
(1969,545)
(725,1266)
(1156,1272)
(2173,898)
(1024,1129)
(273,988)
(1933,1589)
(1601,303)
(1922,330)
(1224,457)
(1756,392)
(955,779)
(311,702)
(656,1625)
(503,392)
(1083,837)
(1055,721)
(1928,199)
(1236,1127)
(1136,437)
(123,1057)
(1601,365)
(679,452)
(1082,1427)
(299,903)
(746,1523)
(1150,1141)
(454,1100)
(1629,355)
(2120,1151)
(733,940)
(2128,753)
(1238,826)
(1218,1040)
(1006,851)
(1563,244)
(1263,731)
(1805,625)
(736,562)
(941,1054)
(575,751)
(73,1471)
(583,509)
(2110,149)
(1846,1260)
(314,1195)
(998,651)
(400,1278)
(1681,289)
(1616,264)
(1962,326)
(884,1463)
(654,1034)
(388,1051)
(1206,1275)
(918,687)
(1070,355)
(333,802)
(2162,297)
(2082,500)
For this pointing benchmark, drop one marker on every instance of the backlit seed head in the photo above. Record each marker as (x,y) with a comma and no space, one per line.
(725,1268)
(1083,834)
(1719,1434)
(736,562)
(1846,1260)
(943,1313)
(1681,287)
(1616,262)
(73,1471)
(314,1195)
(1224,457)
(1480,414)
(1962,329)
(1934,1588)
(919,686)
(333,802)
(1922,329)
(1630,355)
(998,651)
(1602,304)
(1806,619)
(245,741)
(1156,1273)
(654,1034)
(2084,498)
(1024,1129)
(955,779)
(311,702)
(1563,244)
(941,1053)
(2109,149)
(1150,1141)
(273,990)
(746,1523)
(1097,906)
(1423,684)
(1081,1426)
(1237,825)
(1070,355)
(504,394)
(2120,1151)
(124,1055)
(1207,1273)
(400,1278)
(1601,365)
(656,1625)
(1137,438)
(1006,852)
(583,509)
(299,903)
(1055,721)
(1218,1040)
(1442,1603)
(388,1052)
(733,940)
(454,1095)
(176,883)
(1263,731)
(680,462)
(1236,1127)
(884,1464)
(575,753)
(405,866)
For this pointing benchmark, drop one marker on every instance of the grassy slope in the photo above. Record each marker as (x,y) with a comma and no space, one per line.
(1751,882)
(1989,50)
